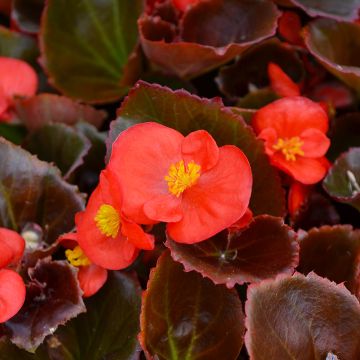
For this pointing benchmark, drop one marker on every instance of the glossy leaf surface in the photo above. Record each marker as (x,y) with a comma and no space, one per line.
(264,249)
(104,35)
(53,297)
(50,108)
(340,10)
(32,191)
(332,252)
(185,316)
(336,45)
(301,318)
(59,144)
(210,34)
(343,179)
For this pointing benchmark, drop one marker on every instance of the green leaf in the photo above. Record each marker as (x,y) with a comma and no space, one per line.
(60,144)
(13,132)
(187,113)
(16,45)
(109,328)
(32,191)
(343,179)
(187,317)
(86,45)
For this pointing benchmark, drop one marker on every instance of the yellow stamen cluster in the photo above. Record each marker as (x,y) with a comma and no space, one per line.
(181,176)
(77,257)
(107,220)
(290,147)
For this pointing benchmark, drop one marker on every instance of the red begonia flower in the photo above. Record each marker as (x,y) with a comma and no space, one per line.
(298,194)
(188,182)
(281,83)
(91,277)
(182,5)
(106,236)
(12,294)
(12,247)
(17,78)
(293,129)
(289,28)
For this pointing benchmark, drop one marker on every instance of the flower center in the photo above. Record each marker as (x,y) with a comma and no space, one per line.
(290,147)
(77,257)
(108,220)
(181,176)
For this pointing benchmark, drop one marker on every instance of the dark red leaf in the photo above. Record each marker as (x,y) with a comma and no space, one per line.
(50,108)
(32,191)
(336,46)
(210,35)
(53,297)
(339,10)
(185,316)
(301,318)
(332,252)
(264,249)
(26,14)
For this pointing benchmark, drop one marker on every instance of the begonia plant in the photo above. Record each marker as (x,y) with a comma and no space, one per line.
(179,180)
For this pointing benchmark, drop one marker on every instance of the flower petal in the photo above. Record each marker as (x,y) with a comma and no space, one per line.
(142,155)
(164,207)
(281,83)
(270,138)
(316,143)
(91,279)
(106,251)
(291,116)
(298,195)
(218,200)
(136,235)
(200,147)
(305,170)
(16,78)
(12,247)
(12,294)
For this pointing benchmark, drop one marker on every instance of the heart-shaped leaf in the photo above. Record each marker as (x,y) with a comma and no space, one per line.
(32,191)
(104,34)
(44,108)
(339,10)
(210,34)
(185,316)
(16,45)
(53,297)
(187,113)
(301,318)
(26,14)
(343,179)
(264,249)
(60,144)
(252,68)
(336,46)
(332,252)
